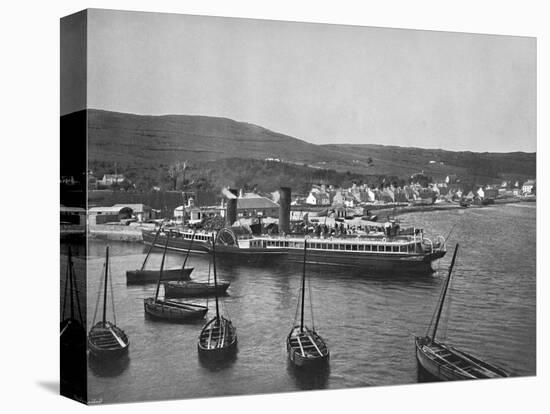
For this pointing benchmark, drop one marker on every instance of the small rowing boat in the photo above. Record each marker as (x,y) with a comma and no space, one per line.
(171,310)
(105,339)
(304,345)
(218,338)
(143,275)
(445,362)
(185,288)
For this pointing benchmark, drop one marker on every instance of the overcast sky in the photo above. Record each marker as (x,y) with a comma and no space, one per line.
(319,83)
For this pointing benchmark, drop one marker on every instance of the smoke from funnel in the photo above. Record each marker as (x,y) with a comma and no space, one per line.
(229,193)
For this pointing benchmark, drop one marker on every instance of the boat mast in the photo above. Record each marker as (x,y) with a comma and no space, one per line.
(189,250)
(105,290)
(444,294)
(303,287)
(151,247)
(161,268)
(215,276)
(71,276)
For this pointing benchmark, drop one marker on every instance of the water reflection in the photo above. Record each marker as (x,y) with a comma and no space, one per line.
(108,367)
(424,376)
(311,378)
(214,363)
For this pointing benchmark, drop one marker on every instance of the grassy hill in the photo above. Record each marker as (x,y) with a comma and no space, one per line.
(224,151)
(438,163)
(168,138)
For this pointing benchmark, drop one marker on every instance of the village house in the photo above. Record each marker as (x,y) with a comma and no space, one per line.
(527,187)
(110,179)
(195,214)
(103,215)
(509,189)
(318,198)
(254,205)
(343,198)
(92,182)
(140,212)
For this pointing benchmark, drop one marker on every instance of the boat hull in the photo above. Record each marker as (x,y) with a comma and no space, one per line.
(442,372)
(193,289)
(176,244)
(409,263)
(420,262)
(216,348)
(313,359)
(103,348)
(173,311)
(135,277)
(380,262)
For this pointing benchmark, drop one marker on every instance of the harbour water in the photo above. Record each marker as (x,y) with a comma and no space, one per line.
(368,320)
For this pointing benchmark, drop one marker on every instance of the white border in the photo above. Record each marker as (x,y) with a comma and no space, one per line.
(30,118)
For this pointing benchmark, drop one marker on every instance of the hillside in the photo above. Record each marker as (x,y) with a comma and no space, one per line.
(144,146)
(168,138)
(438,163)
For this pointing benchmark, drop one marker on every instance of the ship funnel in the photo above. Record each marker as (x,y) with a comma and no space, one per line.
(231,209)
(284,210)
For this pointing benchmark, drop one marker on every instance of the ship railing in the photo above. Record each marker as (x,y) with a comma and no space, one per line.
(442,243)
(425,240)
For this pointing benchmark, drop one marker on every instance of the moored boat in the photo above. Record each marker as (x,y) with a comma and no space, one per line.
(174,311)
(444,362)
(105,339)
(151,276)
(218,338)
(389,251)
(143,275)
(304,345)
(180,289)
(170,310)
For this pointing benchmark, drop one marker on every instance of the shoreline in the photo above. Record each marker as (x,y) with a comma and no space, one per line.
(133,233)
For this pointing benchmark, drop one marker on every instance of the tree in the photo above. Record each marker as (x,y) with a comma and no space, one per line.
(174,172)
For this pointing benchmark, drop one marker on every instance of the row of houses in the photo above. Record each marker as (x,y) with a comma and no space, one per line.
(450,188)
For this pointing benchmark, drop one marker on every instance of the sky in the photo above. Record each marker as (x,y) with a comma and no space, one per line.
(317,82)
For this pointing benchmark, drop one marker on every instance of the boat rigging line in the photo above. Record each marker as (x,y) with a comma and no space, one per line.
(98,295)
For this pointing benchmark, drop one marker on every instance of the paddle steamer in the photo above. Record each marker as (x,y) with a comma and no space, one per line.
(391,250)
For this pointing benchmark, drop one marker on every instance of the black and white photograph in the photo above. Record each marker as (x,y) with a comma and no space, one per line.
(256,206)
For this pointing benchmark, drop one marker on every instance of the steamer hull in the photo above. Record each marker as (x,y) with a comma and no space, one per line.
(374,262)
(178,242)
(401,254)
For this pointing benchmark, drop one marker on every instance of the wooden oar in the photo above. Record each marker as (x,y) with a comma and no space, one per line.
(65,328)
(119,340)
(301,348)
(315,345)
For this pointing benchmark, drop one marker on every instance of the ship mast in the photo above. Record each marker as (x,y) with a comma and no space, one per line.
(105,290)
(303,287)
(444,294)
(161,268)
(215,276)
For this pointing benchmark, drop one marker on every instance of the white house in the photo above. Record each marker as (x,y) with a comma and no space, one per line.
(480,193)
(317,198)
(527,187)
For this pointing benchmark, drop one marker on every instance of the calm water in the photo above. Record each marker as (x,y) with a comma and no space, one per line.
(368,321)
